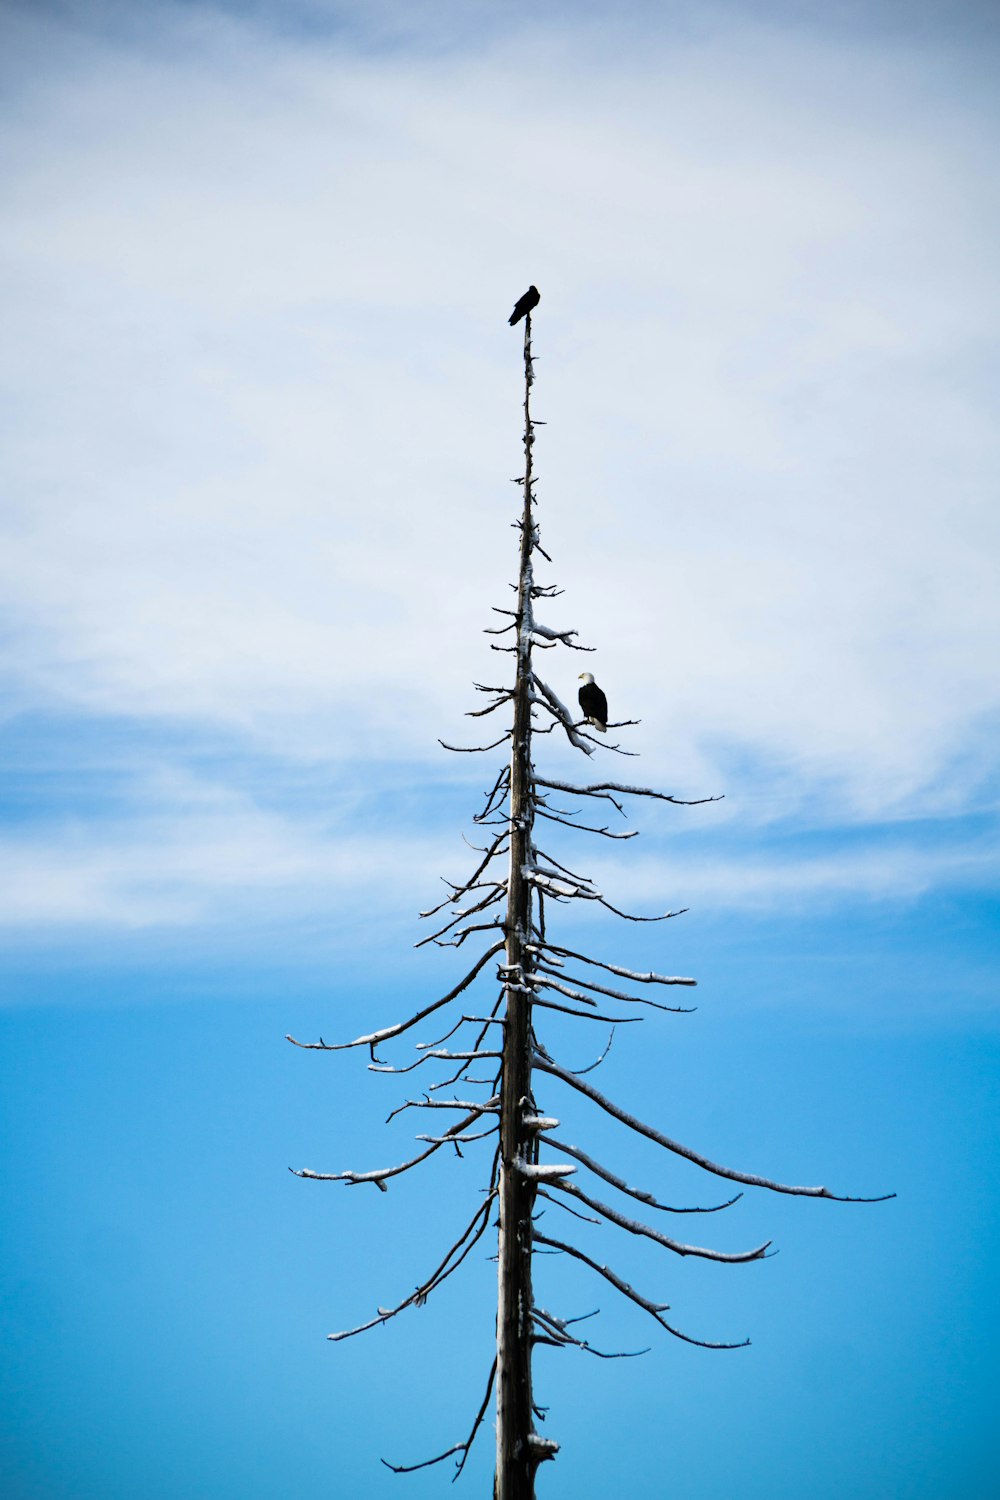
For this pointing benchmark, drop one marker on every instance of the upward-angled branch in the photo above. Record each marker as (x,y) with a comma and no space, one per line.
(564,716)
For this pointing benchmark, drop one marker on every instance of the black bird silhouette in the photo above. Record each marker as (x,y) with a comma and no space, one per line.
(524,305)
(593,702)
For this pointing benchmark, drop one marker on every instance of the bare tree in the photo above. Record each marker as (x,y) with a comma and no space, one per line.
(504,902)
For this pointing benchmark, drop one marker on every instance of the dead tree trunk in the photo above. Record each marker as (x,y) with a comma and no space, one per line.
(504,902)
(516,1458)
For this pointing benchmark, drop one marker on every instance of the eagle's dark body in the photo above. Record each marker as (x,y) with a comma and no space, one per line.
(593,703)
(524,305)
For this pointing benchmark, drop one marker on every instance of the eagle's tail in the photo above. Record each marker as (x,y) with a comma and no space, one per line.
(598,725)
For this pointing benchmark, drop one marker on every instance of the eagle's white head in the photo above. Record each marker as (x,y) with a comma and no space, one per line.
(586,676)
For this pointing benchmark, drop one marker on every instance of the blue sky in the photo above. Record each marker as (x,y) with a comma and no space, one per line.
(261,410)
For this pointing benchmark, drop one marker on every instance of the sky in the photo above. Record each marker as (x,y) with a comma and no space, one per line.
(261,413)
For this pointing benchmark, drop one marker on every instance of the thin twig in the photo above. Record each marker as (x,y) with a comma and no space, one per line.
(560,1335)
(585,1015)
(436,1054)
(630,917)
(468,911)
(632,833)
(447,1140)
(491,1106)
(478,749)
(603,788)
(491,708)
(460,934)
(379,1176)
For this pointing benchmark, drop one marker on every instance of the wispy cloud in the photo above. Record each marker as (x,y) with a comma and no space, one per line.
(793,882)
(192,853)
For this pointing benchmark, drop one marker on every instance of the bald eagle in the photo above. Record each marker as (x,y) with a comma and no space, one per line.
(524,305)
(593,703)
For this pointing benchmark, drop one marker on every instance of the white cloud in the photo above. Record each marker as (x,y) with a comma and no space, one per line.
(203,855)
(266,406)
(794,882)
(190,851)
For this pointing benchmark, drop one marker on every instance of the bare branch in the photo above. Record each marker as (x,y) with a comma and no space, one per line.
(580,879)
(379,1176)
(629,917)
(603,788)
(632,833)
(607,744)
(458,891)
(578,1072)
(585,1015)
(560,875)
(751,1179)
(447,1140)
(598,963)
(428,1462)
(463,1071)
(553,983)
(543,1172)
(642,1197)
(584,1218)
(557,1327)
(374,1037)
(565,786)
(563,714)
(491,708)
(634,1226)
(562,637)
(558,888)
(655,1309)
(456,1254)
(468,911)
(431,1053)
(479,749)
(491,1106)
(460,934)
(499,786)
(489,853)
(462,1021)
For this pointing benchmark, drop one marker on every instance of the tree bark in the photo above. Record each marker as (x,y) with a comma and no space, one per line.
(516,1462)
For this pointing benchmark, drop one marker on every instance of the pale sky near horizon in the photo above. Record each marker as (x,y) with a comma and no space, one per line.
(261,413)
